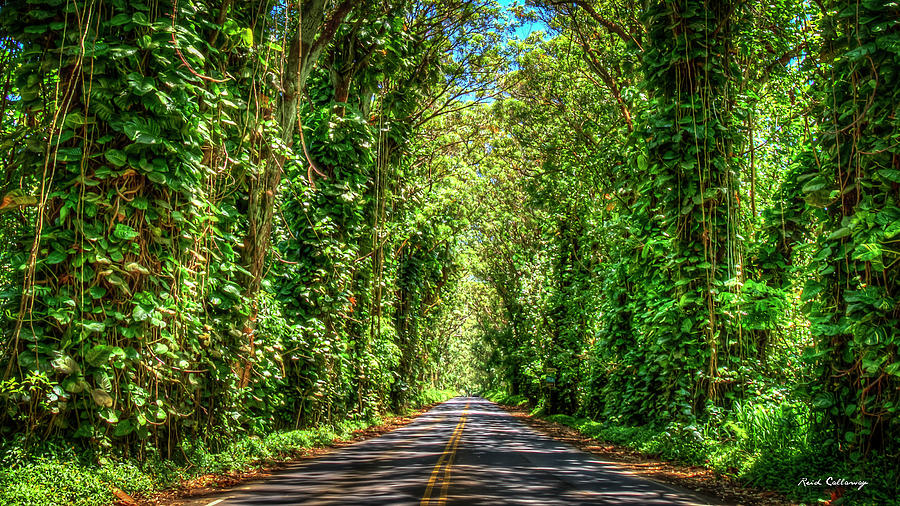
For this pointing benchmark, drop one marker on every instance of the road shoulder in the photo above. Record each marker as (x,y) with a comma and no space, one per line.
(696,479)
(203,488)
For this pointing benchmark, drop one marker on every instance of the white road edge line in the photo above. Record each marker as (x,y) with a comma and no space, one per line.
(217,501)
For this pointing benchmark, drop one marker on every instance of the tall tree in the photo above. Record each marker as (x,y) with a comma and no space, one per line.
(857,185)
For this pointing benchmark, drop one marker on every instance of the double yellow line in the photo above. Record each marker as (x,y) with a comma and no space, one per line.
(443,464)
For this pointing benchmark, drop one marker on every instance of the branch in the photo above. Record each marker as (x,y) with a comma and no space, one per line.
(607,79)
(786,57)
(331,26)
(220,21)
(609,25)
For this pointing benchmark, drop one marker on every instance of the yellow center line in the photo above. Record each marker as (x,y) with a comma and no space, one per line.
(442,460)
(444,463)
(449,465)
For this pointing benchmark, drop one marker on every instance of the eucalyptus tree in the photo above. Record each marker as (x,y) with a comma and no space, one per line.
(128,278)
(676,102)
(358,224)
(855,186)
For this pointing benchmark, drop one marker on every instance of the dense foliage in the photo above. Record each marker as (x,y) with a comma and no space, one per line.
(693,232)
(212,219)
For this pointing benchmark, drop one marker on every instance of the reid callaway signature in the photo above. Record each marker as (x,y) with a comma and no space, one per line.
(832,482)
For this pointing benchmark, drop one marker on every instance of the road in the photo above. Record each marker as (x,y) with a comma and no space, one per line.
(464,451)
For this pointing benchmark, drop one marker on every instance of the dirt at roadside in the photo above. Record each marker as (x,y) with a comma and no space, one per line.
(699,479)
(193,489)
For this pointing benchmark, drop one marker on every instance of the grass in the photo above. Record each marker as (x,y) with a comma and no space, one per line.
(56,474)
(64,479)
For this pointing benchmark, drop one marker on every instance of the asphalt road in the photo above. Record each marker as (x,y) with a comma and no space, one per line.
(464,451)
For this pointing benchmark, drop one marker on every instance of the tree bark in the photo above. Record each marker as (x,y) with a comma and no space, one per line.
(306,44)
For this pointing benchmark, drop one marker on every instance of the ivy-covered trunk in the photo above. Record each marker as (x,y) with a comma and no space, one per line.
(306,43)
(118,294)
(689,134)
(405,324)
(857,316)
(569,306)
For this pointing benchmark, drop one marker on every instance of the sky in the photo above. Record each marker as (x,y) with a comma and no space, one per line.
(526,29)
(521,33)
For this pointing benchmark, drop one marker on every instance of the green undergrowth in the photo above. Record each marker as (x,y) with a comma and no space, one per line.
(434,396)
(765,445)
(768,452)
(501,397)
(55,473)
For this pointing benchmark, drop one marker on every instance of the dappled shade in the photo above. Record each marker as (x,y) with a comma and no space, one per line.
(498,461)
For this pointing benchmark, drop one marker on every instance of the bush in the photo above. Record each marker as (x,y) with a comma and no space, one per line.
(501,397)
(53,482)
(433,396)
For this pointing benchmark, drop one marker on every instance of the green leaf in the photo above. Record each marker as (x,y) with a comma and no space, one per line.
(74,385)
(140,18)
(814,185)
(99,355)
(823,401)
(119,282)
(839,233)
(124,232)
(119,19)
(108,414)
(116,157)
(157,177)
(142,132)
(74,119)
(141,313)
(867,252)
(36,29)
(131,354)
(893,369)
(141,85)
(811,289)
(93,326)
(103,380)
(55,257)
(247,37)
(892,175)
(65,365)
(68,154)
(232,289)
(124,428)
(136,267)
